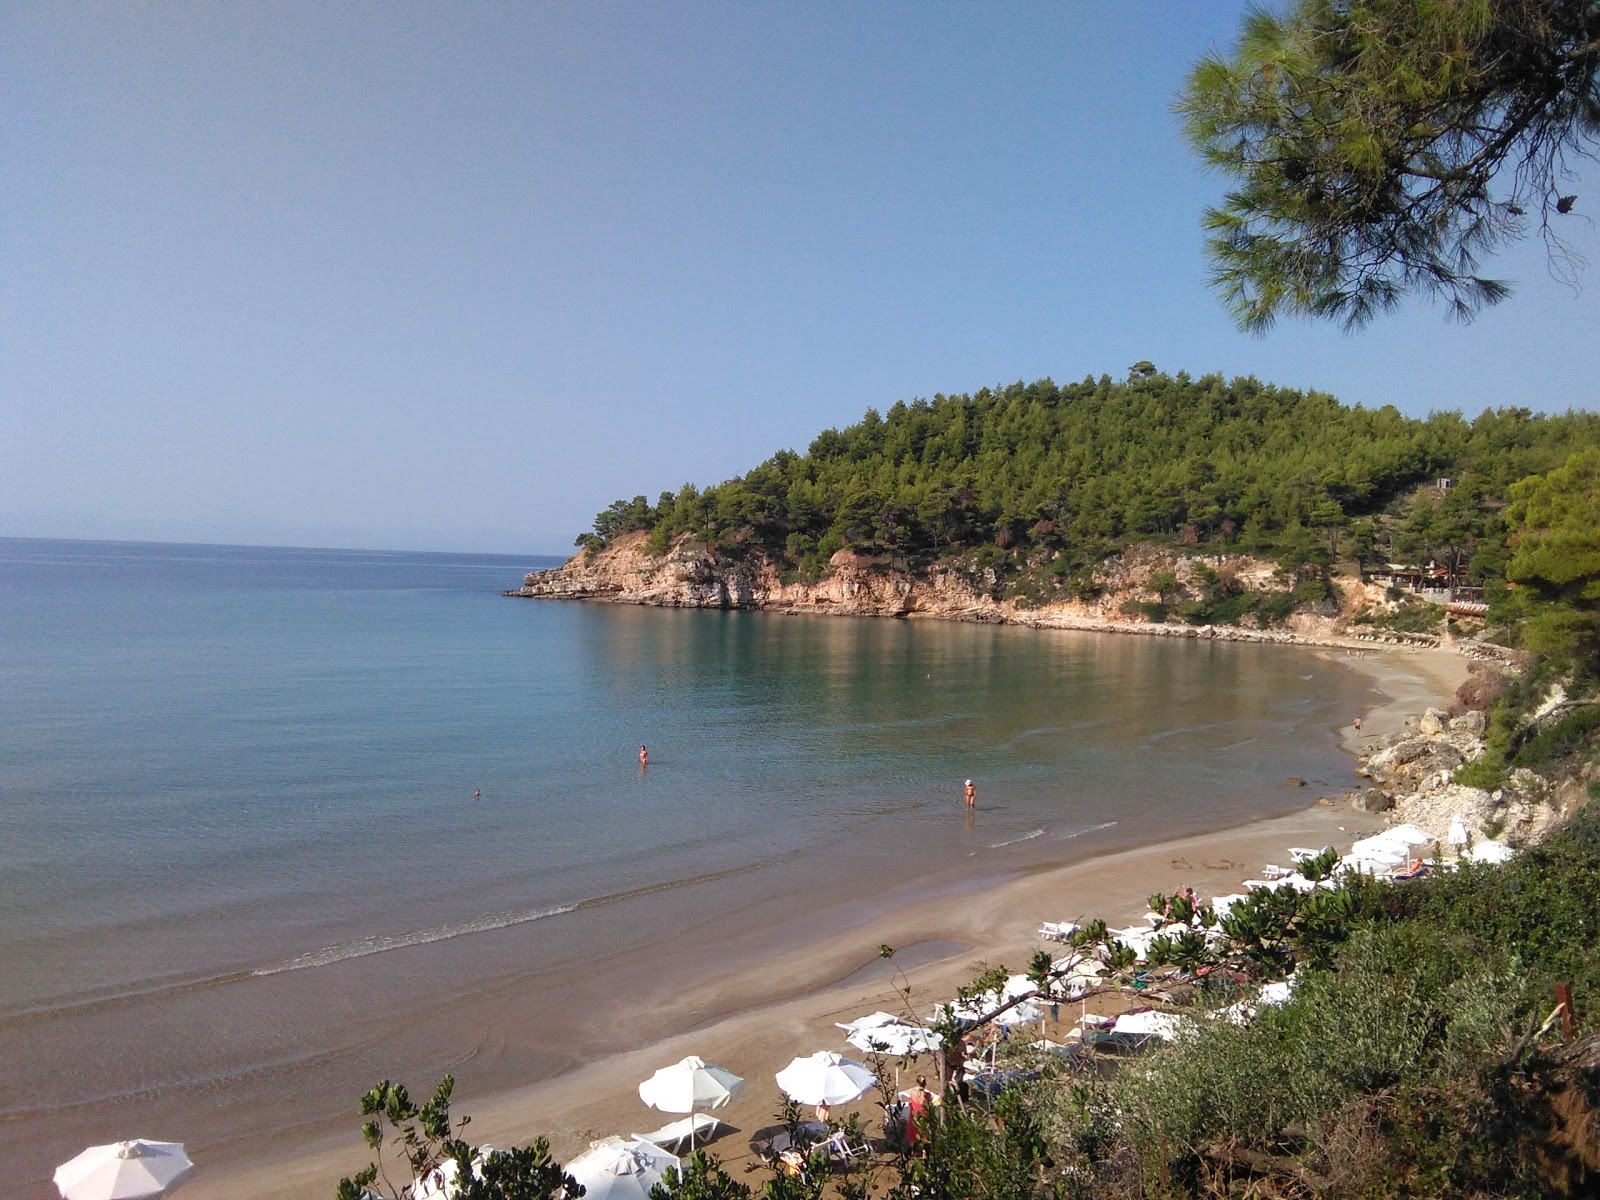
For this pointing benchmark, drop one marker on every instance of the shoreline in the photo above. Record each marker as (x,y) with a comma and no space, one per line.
(754,1017)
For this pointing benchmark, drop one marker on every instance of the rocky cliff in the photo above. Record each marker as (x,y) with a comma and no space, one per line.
(1412,782)
(691,575)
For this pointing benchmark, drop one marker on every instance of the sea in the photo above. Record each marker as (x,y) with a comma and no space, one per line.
(276,823)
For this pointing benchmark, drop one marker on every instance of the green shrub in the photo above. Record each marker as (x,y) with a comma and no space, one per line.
(1487,772)
(1230,609)
(1311,591)
(1403,1002)
(1413,616)
(1151,610)
(1273,608)
(1571,733)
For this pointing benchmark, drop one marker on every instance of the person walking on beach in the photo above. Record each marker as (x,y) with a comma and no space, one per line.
(1358,722)
(644,756)
(972,795)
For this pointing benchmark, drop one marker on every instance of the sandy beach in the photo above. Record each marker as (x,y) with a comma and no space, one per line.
(752,1016)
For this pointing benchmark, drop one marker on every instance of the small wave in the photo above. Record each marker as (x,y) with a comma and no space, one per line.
(1235,745)
(1185,729)
(421,937)
(1027,837)
(360,948)
(1091,829)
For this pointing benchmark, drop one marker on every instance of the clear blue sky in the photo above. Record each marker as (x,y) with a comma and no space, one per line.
(457,276)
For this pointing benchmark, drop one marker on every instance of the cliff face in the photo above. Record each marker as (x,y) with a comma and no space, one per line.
(690,575)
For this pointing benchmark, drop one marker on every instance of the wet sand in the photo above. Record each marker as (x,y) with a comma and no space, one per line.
(753,1017)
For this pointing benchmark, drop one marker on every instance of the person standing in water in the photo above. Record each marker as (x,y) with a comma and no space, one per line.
(644,756)
(972,795)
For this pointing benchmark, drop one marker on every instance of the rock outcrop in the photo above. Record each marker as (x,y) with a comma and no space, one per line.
(691,574)
(1413,783)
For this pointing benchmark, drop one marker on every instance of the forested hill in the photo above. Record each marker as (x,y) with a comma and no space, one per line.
(1068,475)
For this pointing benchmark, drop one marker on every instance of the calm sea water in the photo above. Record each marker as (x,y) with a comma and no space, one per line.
(237,818)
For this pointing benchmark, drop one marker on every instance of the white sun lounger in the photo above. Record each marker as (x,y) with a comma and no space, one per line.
(677,1134)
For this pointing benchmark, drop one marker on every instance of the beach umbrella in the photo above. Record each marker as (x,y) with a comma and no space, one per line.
(1165,1026)
(442,1182)
(687,1085)
(1456,835)
(613,1169)
(825,1078)
(132,1170)
(1491,852)
(894,1037)
(870,1021)
(1022,1014)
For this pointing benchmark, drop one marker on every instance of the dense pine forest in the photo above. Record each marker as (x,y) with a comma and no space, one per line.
(1044,476)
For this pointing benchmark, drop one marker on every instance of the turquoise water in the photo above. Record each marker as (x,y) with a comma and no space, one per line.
(238,782)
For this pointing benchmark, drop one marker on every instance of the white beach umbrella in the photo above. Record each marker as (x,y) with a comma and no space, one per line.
(825,1078)
(689,1084)
(1410,835)
(1491,852)
(894,1037)
(1022,1014)
(1165,1026)
(1456,835)
(132,1170)
(613,1169)
(870,1021)
(441,1183)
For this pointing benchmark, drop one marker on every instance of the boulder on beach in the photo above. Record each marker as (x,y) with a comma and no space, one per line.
(1433,720)
(1371,800)
(1407,763)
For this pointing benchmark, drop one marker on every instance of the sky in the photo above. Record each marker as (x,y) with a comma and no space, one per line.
(456,276)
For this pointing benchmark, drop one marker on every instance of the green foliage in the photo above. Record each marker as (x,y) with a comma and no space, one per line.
(427,1142)
(1413,616)
(1555,539)
(1024,489)
(1543,907)
(969,1152)
(1380,146)
(1487,772)
(1572,734)
(1400,1003)
(701,1179)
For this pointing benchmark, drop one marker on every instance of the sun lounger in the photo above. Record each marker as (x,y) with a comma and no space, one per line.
(676,1135)
(843,1147)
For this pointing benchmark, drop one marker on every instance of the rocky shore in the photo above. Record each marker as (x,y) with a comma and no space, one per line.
(691,575)
(1411,781)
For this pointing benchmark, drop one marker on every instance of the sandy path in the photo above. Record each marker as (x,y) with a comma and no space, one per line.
(785,1006)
